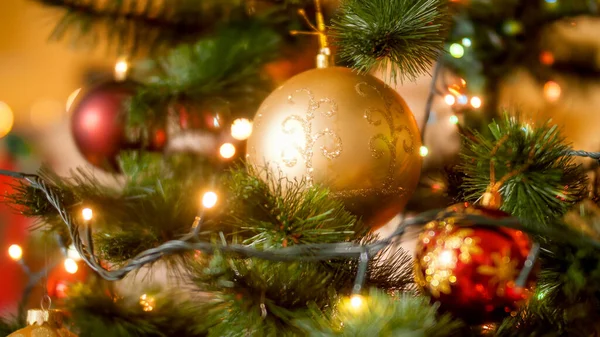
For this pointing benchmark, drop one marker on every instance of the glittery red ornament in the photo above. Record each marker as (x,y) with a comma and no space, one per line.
(471,270)
(98,123)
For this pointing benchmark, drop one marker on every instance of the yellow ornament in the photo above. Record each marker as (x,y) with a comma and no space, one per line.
(43,323)
(346,131)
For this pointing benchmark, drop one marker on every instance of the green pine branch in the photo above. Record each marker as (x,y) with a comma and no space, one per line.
(382,315)
(222,74)
(400,37)
(540,182)
(96,310)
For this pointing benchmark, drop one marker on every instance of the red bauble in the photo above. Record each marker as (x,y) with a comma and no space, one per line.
(471,270)
(98,123)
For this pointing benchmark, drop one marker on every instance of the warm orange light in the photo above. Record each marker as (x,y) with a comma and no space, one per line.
(450,99)
(227,150)
(476,102)
(241,129)
(552,91)
(209,199)
(7,119)
(87,214)
(71,266)
(15,252)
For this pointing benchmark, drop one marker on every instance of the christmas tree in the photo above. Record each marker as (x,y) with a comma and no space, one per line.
(263,194)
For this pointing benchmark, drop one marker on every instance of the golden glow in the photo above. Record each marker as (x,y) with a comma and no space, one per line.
(450,99)
(356,302)
(72,253)
(71,266)
(552,91)
(7,119)
(15,252)
(147,302)
(241,129)
(72,98)
(87,214)
(121,68)
(209,199)
(227,150)
(453,119)
(476,102)
(423,151)
(446,258)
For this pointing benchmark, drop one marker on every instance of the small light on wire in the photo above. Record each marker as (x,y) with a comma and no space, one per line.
(454,119)
(466,42)
(423,151)
(147,302)
(476,102)
(463,99)
(72,253)
(227,150)
(71,266)
(121,68)
(241,129)
(15,252)
(552,91)
(457,50)
(209,199)
(356,301)
(450,99)
(87,214)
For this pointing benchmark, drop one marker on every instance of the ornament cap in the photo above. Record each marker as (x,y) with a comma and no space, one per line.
(53,318)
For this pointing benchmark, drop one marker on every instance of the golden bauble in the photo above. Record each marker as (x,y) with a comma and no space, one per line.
(346,131)
(43,323)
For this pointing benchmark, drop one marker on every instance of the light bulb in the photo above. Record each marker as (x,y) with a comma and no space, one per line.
(241,129)
(227,150)
(476,102)
(209,199)
(71,266)
(552,91)
(450,99)
(15,252)
(466,42)
(7,119)
(454,119)
(121,68)
(356,301)
(457,50)
(87,214)
(423,151)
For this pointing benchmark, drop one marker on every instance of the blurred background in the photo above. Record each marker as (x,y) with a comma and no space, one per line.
(39,80)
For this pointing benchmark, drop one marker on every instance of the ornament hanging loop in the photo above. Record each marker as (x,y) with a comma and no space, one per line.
(46,303)
(320,30)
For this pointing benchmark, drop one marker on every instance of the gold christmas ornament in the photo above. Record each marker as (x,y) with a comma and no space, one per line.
(43,323)
(343,130)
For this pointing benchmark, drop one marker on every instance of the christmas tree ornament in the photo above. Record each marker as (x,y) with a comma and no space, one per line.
(347,131)
(472,270)
(43,323)
(98,123)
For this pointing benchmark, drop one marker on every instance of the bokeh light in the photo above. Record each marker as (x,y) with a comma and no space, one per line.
(227,150)
(15,252)
(209,199)
(7,119)
(241,129)
(71,266)
(552,91)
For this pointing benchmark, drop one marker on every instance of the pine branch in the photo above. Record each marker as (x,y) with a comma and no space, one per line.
(133,26)
(382,315)
(400,37)
(220,74)
(541,181)
(97,311)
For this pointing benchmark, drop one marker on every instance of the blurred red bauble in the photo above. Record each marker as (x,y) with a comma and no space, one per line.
(191,117)
(471,270)
(60,280)
(98,123)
